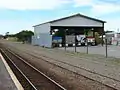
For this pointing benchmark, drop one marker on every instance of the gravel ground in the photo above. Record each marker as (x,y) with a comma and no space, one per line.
(103,67)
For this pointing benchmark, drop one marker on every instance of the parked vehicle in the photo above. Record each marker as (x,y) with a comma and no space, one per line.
(82,40)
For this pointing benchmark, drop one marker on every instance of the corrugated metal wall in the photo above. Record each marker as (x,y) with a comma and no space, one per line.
(44,39)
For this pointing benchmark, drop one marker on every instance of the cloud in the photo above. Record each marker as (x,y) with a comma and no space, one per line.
(32,4)
(82,3)
(112,24)
(105,8)
(99,7)
(110,1)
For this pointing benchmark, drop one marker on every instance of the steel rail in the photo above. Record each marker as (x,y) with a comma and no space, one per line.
(77,67)
(53,81)
(18,69)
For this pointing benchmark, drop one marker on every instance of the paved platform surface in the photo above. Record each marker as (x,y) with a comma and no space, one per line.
(6,78)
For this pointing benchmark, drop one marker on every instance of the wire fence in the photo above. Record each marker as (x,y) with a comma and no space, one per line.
(105,49)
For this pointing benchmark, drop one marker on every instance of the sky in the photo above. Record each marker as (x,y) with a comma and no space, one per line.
(17,15)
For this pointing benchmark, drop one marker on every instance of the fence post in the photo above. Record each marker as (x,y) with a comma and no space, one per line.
(106,47)
(87,46)
(75,43)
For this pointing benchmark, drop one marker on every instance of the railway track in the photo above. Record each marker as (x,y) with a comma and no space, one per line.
(41,57)
(30,77)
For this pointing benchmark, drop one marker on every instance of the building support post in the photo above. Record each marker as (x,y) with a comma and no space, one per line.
(75,43)
(65,39)
(86,35)
(102,34)
(52,37)
(94,35)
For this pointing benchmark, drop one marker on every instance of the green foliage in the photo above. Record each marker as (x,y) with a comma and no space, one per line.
(88,32)
(85,32)
(8,35)
(24,36)
(97,38)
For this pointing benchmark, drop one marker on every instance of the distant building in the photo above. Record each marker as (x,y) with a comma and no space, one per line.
(113,38)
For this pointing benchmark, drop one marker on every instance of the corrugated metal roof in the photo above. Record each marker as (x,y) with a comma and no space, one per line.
(73,16)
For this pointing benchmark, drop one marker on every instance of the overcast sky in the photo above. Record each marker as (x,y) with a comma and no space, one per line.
(17,15)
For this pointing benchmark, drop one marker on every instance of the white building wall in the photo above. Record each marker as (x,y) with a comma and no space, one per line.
(77,21)
(42,35)
(43,28)
(45,40)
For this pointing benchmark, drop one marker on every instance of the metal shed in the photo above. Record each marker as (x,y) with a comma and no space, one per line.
(43,33)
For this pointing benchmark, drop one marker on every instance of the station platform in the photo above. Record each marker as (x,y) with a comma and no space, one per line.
(8,80)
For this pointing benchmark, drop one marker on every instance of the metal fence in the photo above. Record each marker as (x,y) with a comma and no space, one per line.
(105,50)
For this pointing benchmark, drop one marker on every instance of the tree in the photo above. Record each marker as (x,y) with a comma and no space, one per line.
(6,35)
(24,36)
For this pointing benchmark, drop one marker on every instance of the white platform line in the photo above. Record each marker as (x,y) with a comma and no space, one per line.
(13,77)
